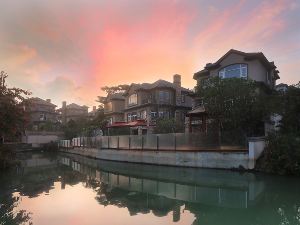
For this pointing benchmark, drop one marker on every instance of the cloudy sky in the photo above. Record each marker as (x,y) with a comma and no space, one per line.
(68,49)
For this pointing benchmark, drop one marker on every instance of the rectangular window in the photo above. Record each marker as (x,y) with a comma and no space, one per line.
(234,71)
(129,117)
(164,114)
(132,116)
(132,100)
(143,114)
(42,117)
(182,98)
(153,114)
(164,97)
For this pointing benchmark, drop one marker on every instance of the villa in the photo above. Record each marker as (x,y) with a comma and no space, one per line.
(40,112)
(72,112)
(234,64)
(142,104)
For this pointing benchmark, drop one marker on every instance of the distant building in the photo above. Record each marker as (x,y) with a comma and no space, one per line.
(41,111)
(142,104)
(281,87)
(234,64)
(72,112)
(92,114)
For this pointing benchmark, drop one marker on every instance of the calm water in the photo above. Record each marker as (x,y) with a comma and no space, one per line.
(70,189)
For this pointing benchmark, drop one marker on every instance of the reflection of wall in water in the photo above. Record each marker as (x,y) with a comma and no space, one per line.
(235,197)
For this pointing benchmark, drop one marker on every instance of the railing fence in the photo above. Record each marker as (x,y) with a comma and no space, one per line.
(156,142)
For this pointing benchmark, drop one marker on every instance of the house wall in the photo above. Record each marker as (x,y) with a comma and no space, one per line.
(256,70)
(118,105)
(37,109)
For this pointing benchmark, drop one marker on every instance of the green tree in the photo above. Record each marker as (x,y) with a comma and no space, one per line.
(290,110)
(164,126)
(12,113)
(85,127)
(235,104)
(115,89)
(282,153)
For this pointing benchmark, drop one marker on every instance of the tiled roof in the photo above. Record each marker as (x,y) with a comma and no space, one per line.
(75,106)
(40,101)
(157,84)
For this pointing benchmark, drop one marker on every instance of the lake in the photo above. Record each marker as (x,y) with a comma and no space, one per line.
(54,189)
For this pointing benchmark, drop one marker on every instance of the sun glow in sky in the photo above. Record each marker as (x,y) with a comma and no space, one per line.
(67,50)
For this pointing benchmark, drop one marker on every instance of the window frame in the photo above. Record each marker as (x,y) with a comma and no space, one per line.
(165,98)
(222,71)
(131,98)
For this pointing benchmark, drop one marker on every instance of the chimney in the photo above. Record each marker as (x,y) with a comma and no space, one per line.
(177,80)
(64,104)
(48,100)
(94,108)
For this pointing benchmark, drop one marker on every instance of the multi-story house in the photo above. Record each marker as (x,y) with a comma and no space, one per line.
(41,111)
(72,112)
(114,105)
(162,99)
(234,64)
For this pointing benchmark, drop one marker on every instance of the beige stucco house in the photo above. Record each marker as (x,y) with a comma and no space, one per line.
(234,64)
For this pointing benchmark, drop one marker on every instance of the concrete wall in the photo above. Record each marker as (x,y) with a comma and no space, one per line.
(256,148)
(209,159)
(37,139)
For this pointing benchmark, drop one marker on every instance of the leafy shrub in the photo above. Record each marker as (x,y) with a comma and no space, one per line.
(281,155)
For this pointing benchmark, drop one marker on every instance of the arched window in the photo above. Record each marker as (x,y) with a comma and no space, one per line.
(235,70)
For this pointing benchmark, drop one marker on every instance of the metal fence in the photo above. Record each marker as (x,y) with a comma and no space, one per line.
(157,142)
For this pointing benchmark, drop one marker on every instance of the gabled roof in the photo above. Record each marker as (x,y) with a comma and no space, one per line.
(75,106)
(39,101)
(157,84)
(248,56)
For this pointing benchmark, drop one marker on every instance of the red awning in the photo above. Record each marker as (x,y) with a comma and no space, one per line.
(135,123)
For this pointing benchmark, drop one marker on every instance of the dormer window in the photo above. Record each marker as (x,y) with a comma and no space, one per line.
(132,100)
(234,71)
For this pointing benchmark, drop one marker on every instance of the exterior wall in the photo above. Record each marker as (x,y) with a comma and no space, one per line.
(256,70)
(37,109)
(73,113)
(118,105)
(39,138)
(219,160)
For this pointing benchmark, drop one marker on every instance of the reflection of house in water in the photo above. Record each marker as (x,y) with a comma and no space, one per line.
(141,188)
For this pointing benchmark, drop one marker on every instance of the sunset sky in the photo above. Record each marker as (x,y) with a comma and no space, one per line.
(68,49)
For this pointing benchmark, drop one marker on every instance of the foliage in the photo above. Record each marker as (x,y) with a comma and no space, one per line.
(84,126)
(8,214)
(164,126)
(12,113)
(282,154)
(112,90)
(115,89)
(235,104)
(290,110)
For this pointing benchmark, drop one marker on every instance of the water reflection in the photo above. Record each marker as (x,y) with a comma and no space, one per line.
(153,194)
